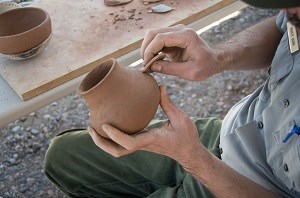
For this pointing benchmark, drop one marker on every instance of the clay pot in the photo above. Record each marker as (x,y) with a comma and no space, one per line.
(22,29)
(124,98)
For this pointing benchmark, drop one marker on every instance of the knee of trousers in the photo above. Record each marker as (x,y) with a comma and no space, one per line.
(55,155)
(59,157)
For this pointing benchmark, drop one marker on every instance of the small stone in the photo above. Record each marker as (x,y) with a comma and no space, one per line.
(50,193)
(54,104)
(16,129)
(9,178)
(34,131)
(23,188)
(47,117)
(32,114)
(229,87)
(173,97)
(194,95)
(23,119)
(12,161)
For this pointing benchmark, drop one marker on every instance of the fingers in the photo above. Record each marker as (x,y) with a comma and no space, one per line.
(107,145)
(129,142)
(150,35)
(163,40)
(180,69)
(171,110)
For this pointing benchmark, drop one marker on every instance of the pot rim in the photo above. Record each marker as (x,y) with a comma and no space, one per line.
(47,18)
(79,90)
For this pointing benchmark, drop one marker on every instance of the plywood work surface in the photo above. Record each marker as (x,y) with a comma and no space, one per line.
(86,32)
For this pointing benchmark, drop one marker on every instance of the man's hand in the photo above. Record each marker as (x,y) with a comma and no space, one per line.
(191,58)
(178,138)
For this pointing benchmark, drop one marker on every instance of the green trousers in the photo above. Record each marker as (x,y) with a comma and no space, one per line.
(81,169)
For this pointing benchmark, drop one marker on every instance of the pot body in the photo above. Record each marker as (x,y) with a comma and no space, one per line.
(124,98)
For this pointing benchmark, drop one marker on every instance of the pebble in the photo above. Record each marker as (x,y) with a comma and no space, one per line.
(32,114)
(9,178)
(229,87)
(34,131)
(23,119)
(173,97)
(23,188)
(53,104)
(12,161)
(47,116)
(16,128)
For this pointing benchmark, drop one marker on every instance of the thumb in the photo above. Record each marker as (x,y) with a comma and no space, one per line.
(169,108)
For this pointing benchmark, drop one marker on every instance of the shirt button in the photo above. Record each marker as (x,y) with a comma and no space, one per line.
(286,103)
(285,167)
(260,125)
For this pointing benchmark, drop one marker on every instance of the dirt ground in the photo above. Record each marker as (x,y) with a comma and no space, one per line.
(24,142)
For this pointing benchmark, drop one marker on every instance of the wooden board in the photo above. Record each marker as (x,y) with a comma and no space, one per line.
(86,32)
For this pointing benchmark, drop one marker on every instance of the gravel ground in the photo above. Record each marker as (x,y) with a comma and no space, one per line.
(24,142)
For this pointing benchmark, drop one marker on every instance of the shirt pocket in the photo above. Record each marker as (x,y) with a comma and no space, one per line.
(244,151)
(286,159)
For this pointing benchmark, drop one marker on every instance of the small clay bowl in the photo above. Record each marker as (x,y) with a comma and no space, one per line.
(22,29)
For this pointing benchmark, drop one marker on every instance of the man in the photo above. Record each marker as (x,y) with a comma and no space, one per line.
(255,153)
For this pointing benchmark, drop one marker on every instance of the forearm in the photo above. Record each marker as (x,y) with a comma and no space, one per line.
(253,48)
(222,180)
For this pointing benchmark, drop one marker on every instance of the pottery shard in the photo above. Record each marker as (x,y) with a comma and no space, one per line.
(151,1)
(161,8)
(115,2)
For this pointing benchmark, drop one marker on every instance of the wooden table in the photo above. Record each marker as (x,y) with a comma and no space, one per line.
(86,37)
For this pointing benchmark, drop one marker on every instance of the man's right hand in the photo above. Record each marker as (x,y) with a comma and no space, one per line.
(190,56)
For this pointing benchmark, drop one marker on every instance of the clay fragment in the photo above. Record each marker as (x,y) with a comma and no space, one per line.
(161,8)
(150,1)
(146,68)
(115,2)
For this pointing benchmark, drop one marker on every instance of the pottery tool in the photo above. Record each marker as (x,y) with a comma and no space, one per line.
(159,56)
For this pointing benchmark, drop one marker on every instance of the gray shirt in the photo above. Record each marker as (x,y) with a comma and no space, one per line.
(253,130)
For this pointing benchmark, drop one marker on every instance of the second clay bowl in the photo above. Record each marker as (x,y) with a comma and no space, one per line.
(22,29)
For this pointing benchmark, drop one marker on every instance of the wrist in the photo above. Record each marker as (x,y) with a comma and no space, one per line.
(200,159)
(223,59)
